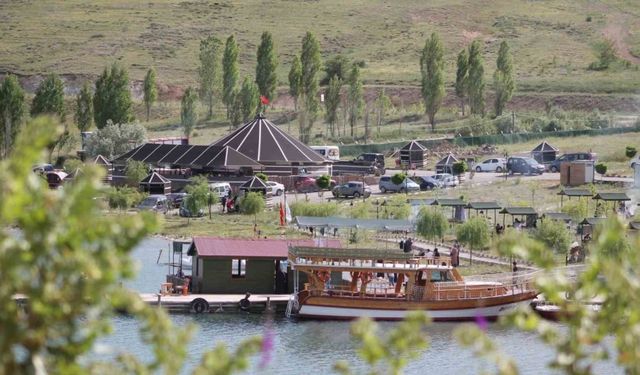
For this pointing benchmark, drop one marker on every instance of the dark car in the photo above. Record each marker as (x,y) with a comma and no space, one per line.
(185,212)
(576,156)
(175,199)
(372,158)
(427,182)
(354,189)
(524,165)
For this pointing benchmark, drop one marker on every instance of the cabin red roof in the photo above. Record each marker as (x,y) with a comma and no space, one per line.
(251,248)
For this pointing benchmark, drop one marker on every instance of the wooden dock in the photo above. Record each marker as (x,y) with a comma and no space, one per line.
(217,303)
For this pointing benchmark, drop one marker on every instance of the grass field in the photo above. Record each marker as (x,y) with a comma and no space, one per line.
(552,41)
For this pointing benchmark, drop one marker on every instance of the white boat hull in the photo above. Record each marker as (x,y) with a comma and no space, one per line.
(331,312)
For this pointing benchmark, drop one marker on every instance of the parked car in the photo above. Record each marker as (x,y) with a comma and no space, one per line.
(555,165)
(427,182)
(354,189)
(184,211)
(276,188)
(386,185)
(175,199)
(446,179)
(223,189)
(492,165)
(155,202)
(635,160)
(307,184)
(524,165)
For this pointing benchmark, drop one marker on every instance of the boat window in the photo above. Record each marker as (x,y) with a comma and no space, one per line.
(238,268)
(440,276)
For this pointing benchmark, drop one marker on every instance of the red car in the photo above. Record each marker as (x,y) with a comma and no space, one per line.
(308,184)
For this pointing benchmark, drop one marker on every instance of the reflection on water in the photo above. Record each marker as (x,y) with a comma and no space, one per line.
(313,347)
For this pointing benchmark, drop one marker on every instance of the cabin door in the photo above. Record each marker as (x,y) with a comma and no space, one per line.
(281,281)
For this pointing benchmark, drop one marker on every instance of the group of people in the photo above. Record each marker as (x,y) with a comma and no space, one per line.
(230,204)
(407,247)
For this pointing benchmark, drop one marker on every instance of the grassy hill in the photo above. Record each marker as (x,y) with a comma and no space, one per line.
(552,41)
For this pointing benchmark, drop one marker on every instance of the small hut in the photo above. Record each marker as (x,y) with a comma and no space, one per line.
(446,164)
(544,153)
(413,155)
(155,184)
(108,167)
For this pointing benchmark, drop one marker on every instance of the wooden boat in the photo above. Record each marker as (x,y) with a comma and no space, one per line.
(353,283)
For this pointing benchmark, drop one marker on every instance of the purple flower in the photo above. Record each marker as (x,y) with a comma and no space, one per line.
(482,322)
(268,343)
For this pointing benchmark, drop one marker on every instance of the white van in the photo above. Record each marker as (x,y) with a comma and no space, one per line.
(223,189)
(329,152)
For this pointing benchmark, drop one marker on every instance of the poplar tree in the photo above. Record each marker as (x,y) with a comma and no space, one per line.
(355,97)
(49,98)
(249,99)
(332,102)
(84,108)
(150,90)
(432,69)
(229,73)
(266,68)
(12,109)
(210,71)
(112,98)
(311,65)
(188,111)
(295,80)
(475,86)
(503,81)
(462,77)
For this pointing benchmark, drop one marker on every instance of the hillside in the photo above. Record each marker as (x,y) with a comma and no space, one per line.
(552,41)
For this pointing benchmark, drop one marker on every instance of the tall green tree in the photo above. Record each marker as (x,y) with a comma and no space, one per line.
(198,195)
(503,81)
(112,98)
(189,111)
(84,108)
(475,86)
(337,66)
(49,98)
(230,73)
(432,224)
(383,104)
(332,102)
(135,171)
(355,97)
(432,70)
(249,99)
(150,90)
(210,71)
(266,68)
(311,64)
(474,233)
(235,112)
(295,81)
(12,110)
(462,78)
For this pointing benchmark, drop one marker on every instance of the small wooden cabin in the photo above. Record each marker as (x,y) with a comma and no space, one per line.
(413,155)
(240,265)
(544,153)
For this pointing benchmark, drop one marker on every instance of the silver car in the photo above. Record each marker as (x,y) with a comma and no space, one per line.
(386,185)
(354,189)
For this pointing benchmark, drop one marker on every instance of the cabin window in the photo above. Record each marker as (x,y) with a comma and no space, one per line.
(238,268)
(440,276)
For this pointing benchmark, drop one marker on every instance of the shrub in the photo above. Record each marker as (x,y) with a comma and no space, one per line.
(601,169)
(630,151)
(556,237)
(577,210)
(135,171)
(323,182)
(362,210)
(252,203)
(474,233)
(72,165)
(398,178)
(124,197)
(313,209)
(262,176)
(432,224)
(459,167)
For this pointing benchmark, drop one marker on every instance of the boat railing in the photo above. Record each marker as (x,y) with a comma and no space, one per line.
(372,291)
(409,264)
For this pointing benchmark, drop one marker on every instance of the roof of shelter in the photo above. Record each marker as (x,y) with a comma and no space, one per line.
(484,206)
(449,202)
(526,211)
(342,222)
(254,183)
(592,221)
(250,248)
(188,156)
(262,141)
(576,192)
(414,146)
(101,160)
(612,197)
(560,216)
(155,178)
(448,160)
(544,147)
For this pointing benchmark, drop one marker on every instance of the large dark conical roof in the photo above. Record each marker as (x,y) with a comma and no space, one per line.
(264,142)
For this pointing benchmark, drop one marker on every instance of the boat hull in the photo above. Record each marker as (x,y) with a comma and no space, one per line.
(341,309)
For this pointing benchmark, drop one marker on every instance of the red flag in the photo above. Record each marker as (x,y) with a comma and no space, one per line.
(264,100)
(281,215)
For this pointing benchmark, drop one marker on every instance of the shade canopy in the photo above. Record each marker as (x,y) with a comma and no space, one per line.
(523,211)
(558,216)
(264,142)
(576,192)
(448,202)
(185,156)
(609,197)
(484,206)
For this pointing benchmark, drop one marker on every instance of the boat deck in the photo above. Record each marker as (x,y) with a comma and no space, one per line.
(216,302)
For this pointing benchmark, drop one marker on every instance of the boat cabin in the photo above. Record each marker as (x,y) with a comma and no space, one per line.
(240,265)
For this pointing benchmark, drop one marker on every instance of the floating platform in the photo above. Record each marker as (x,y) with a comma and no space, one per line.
(217,303)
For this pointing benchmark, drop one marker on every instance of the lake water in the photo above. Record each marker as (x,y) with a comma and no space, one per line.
(312,347)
